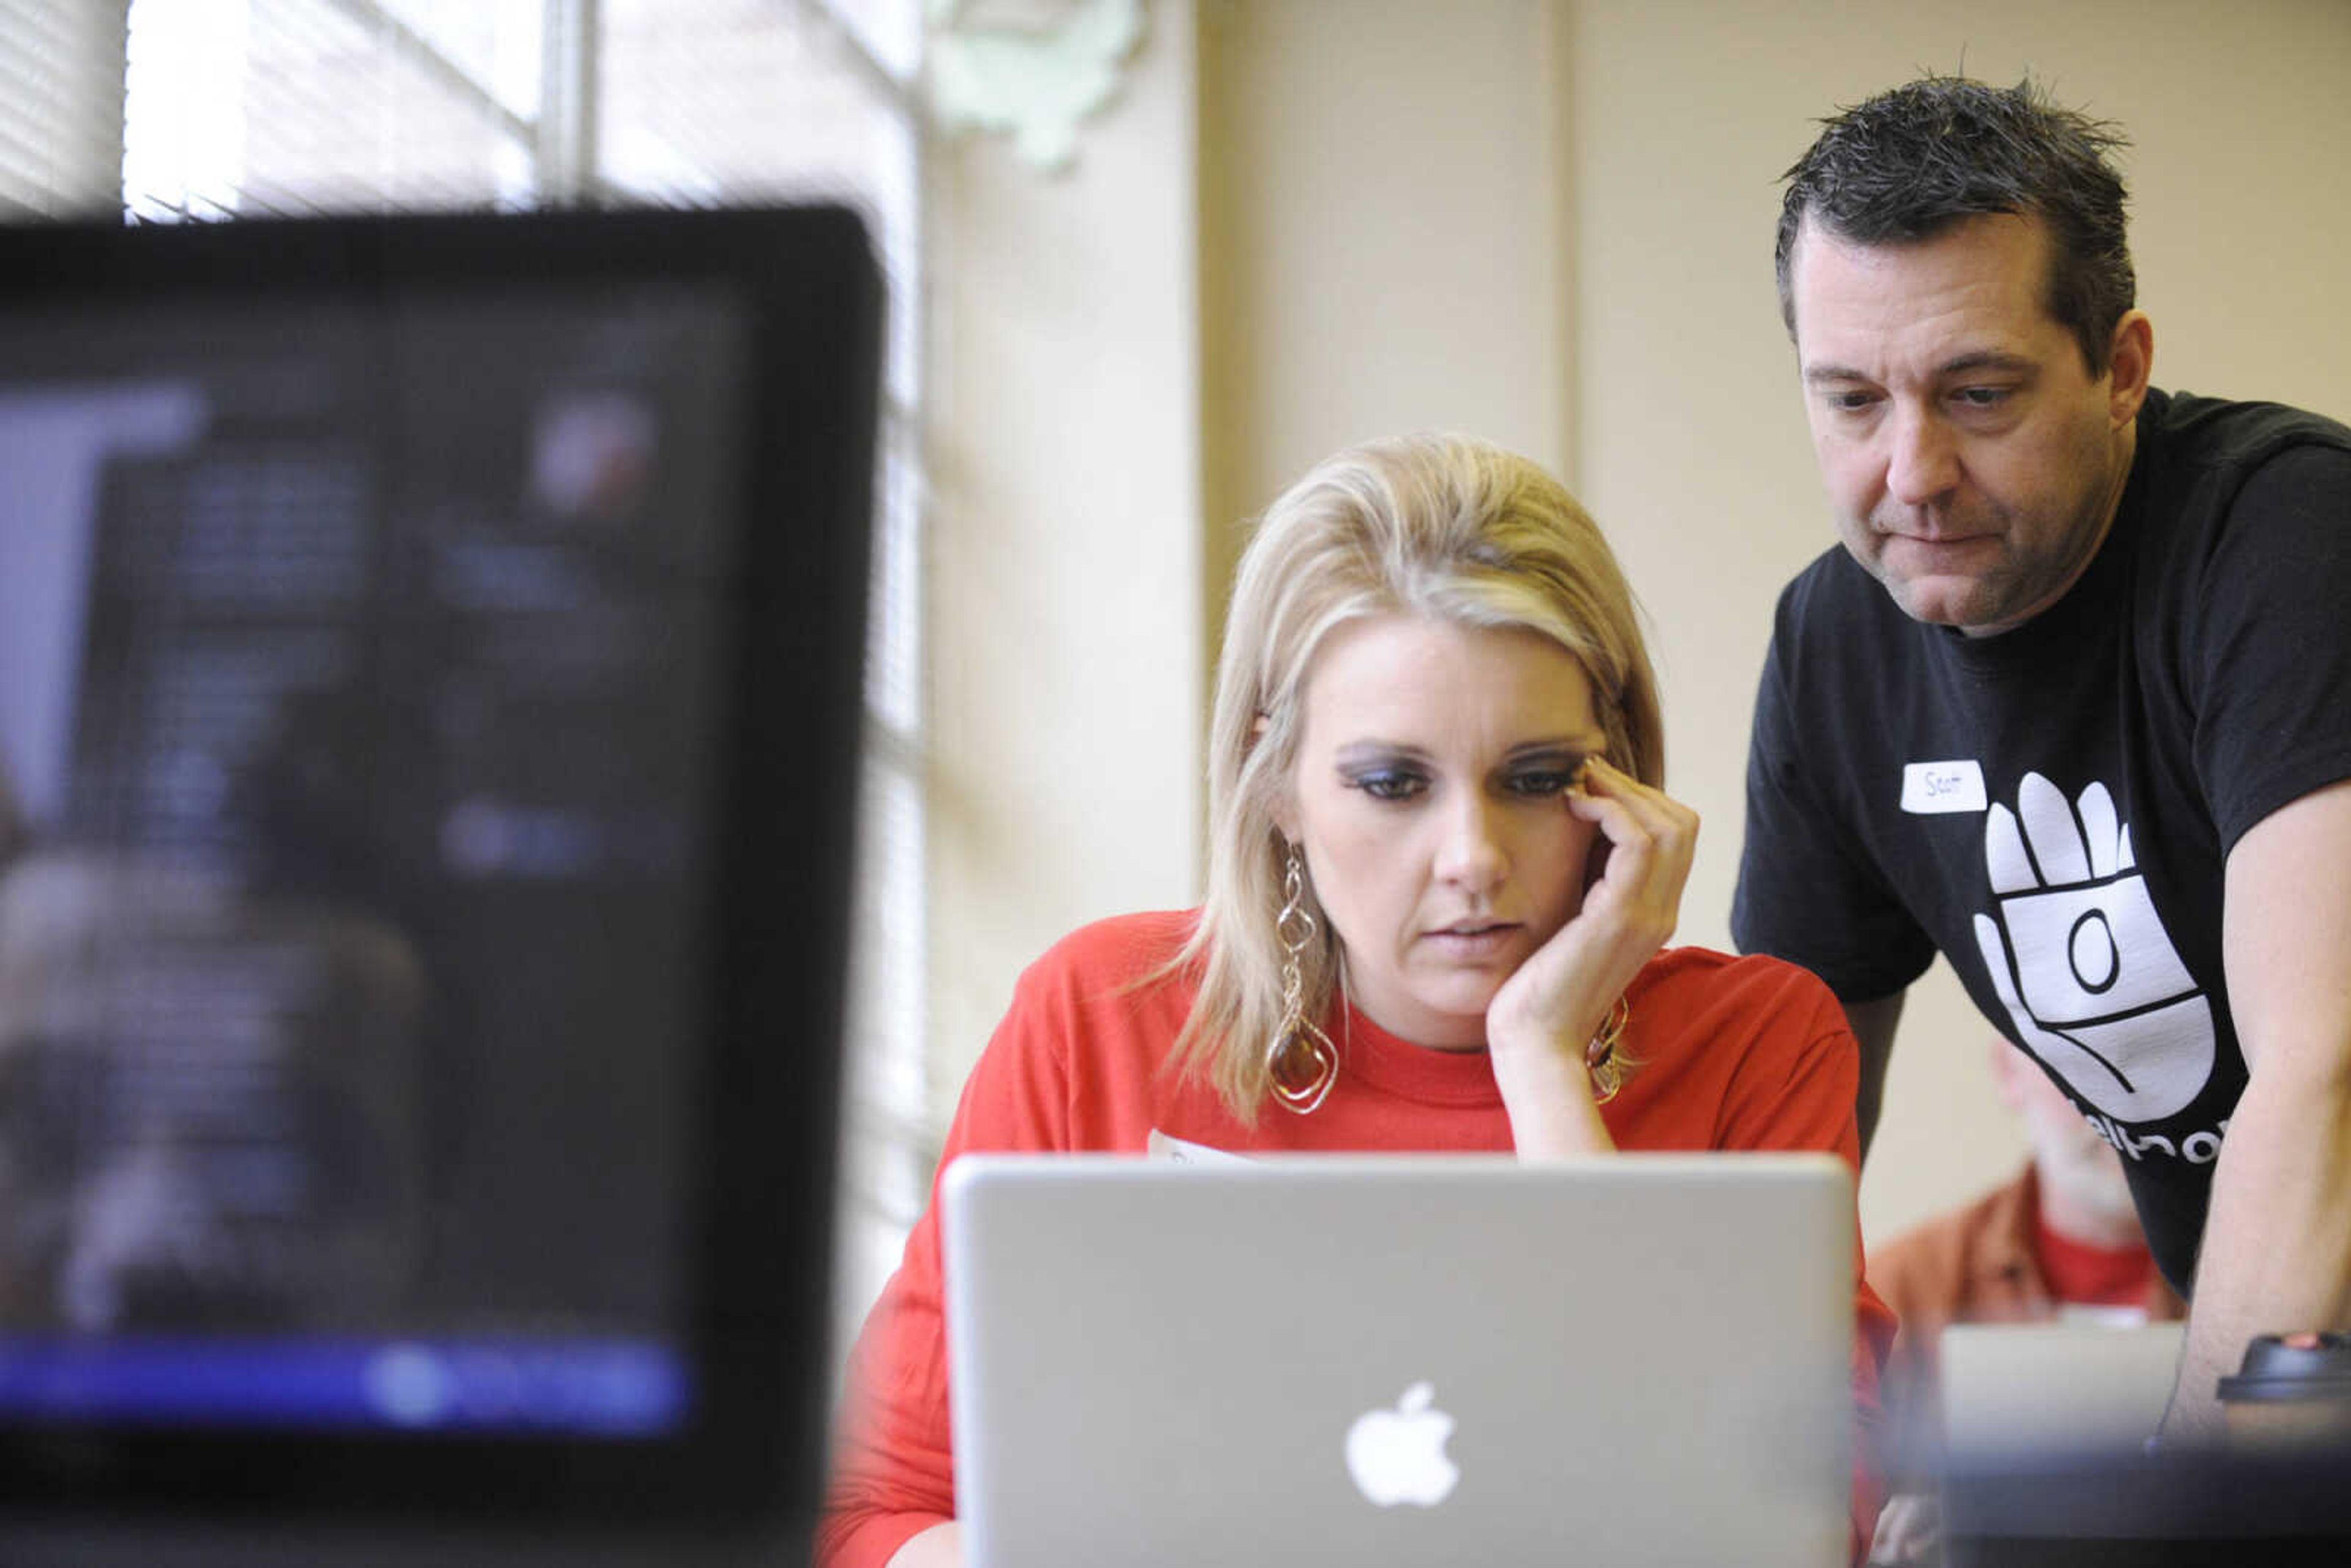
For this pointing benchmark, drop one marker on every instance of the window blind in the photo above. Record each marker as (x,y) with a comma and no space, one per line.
(60,107)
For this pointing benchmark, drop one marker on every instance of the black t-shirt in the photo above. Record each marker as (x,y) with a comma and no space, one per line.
(2052,808)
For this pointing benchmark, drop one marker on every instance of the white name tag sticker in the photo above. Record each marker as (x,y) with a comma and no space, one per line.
(1928,788)
(1160,1147)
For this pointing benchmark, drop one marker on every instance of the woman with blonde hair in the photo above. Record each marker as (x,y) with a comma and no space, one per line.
(1442,871)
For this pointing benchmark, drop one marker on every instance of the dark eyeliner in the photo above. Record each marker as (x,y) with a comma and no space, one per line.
(1538,782)
(1546,773)
(1386,783)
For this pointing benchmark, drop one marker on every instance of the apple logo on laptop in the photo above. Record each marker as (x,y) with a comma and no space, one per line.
(1398,1455)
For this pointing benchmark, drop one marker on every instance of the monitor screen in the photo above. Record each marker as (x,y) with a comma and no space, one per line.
(429,661)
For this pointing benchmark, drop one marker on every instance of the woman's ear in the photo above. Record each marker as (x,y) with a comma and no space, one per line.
(1285,800)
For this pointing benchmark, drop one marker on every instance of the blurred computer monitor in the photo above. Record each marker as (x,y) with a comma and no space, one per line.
(430,662)
(2046,1463)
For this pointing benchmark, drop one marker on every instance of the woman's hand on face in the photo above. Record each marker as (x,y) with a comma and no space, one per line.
(1540,1020)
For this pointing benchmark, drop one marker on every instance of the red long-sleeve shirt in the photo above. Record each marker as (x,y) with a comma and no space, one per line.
(1734,1053)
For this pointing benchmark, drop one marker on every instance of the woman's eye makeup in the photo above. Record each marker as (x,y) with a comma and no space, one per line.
(1540,775)
(1541,781)
(1387,783)
(1544,773)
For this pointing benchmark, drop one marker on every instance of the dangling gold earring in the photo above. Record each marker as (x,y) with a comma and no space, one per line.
(1600,1056)
(1301,1064)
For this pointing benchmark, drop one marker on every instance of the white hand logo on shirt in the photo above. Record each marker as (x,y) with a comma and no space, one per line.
(2081,960)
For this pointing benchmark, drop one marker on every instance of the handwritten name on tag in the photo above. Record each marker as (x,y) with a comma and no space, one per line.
(1931,787)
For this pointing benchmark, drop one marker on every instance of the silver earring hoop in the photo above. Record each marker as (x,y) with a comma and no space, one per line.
(1600,1057)
(1301,1063)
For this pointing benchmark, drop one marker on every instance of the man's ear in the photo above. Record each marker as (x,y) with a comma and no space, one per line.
(2130,362)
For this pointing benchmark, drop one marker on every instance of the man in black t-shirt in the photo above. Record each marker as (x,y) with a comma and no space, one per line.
(2072,704)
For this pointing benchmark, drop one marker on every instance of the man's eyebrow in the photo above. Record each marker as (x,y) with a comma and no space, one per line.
(1988,359)
(1960,365)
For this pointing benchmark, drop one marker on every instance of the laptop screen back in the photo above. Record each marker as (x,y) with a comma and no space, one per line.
(1390,1361)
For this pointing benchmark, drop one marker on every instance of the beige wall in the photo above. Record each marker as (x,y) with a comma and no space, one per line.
(1065,557)
(1544,221)
(1379,216)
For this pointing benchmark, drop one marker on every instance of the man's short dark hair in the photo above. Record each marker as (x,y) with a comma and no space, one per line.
(1910,162)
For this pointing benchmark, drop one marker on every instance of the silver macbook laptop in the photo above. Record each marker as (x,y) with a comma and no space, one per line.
(1404,1359)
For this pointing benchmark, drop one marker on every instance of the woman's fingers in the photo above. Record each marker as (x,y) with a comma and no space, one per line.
(1651,841)
(1658,814)
(1647,841)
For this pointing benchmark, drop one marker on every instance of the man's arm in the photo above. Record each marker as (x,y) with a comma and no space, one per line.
(1873,1025)
(2276,1254)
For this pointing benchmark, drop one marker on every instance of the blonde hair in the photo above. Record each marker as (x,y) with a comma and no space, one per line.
(1442,527)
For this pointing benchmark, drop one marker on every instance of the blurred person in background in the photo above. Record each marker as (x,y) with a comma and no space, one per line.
(2059,1242)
